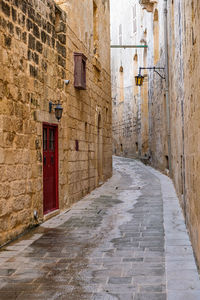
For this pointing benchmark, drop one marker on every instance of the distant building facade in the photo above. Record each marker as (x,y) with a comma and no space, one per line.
(130,104)
(59,52)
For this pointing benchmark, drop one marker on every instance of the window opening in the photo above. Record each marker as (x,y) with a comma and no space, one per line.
(134,19)
(51,139)
(95,29)
(120,34)
(77,145)
(45,139)
(156,37)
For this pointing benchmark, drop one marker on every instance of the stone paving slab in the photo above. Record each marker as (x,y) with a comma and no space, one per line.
(125,240)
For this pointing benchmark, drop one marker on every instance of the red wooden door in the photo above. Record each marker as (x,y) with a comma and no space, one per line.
(50,168)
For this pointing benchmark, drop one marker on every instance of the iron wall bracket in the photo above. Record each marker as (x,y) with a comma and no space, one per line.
(154,69)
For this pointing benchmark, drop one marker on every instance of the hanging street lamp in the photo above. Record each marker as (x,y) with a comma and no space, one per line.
(139,78)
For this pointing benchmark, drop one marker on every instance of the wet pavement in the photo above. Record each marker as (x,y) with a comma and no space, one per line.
(126,240)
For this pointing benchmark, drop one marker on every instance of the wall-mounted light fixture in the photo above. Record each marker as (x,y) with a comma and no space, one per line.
(58,110)
(66,81)
(139,78)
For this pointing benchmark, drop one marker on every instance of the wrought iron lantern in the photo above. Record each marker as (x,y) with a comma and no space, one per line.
(58,110)
(139,80)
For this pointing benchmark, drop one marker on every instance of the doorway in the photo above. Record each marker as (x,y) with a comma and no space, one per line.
(50,168)
(99,149)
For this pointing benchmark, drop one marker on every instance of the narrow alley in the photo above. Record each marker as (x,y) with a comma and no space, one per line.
(81,81)
(125,240)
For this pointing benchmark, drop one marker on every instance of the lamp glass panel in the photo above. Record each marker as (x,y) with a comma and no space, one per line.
(136,80)
(139,80)
(58,112)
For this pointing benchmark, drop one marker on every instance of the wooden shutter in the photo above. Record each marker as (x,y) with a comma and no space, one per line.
(80,71)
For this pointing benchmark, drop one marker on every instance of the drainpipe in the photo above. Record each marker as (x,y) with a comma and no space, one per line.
(183,157)
(167,86)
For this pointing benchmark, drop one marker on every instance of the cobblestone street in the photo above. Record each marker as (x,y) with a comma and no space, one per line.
(126,240)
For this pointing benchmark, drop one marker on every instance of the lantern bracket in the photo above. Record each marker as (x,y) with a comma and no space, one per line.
(51,106)
(154,69)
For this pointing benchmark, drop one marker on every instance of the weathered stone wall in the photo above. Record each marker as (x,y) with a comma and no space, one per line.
(176,89)
(190,11)
(124,116)
(184,61)
(32,57)
(130,103)
(84,107)
(37,41)
(158,151)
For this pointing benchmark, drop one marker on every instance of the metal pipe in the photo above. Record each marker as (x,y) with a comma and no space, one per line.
(167,86)
(184,191)
(128,46)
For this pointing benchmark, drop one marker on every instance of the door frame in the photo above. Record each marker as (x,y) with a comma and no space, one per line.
(56,165)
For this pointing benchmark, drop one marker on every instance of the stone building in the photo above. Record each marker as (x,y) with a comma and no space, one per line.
(59,52)
(130,104)
(171,30)
(174,111)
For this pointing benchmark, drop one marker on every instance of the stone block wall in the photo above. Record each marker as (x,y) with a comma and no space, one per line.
(130,104)
(33,59)
(38,40)
(125,127)
(84,107)
(176,68)
(190,11)
(183,41)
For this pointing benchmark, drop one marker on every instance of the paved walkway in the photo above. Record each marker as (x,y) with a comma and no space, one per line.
(126,240)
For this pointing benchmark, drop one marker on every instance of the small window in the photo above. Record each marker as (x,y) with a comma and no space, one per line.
(134,19)
(51,140)
(57,19)
(44,139)
(77,145)
(156,37)
(167,161)
(136,144)
(95,29)
(120,34)
(106,115)
(80,71)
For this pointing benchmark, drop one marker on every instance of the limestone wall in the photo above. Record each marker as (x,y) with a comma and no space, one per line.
(130,103)
(183,41)
(38,40)
(191,110)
